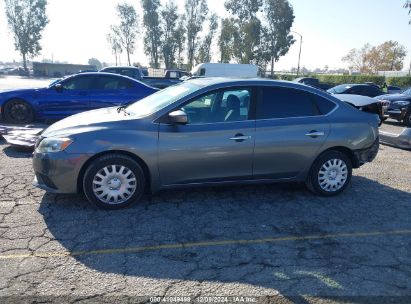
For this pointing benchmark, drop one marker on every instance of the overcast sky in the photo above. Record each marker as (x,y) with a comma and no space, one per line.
(330,28)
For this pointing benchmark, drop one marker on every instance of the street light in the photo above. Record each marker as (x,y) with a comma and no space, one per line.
(299,55)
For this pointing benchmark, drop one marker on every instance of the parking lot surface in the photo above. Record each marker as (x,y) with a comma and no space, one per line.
(277,240)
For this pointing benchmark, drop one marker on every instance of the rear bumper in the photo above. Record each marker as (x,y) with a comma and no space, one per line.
(58,172)
(366,155)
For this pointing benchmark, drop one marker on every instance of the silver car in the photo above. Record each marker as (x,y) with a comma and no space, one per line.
(207,132)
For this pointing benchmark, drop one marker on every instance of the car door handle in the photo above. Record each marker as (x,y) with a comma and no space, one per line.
(240,137)
(315,134)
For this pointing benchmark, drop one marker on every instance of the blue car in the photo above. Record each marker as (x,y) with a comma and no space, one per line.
(71,95)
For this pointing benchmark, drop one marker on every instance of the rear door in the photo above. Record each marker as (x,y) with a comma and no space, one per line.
(109,91)
(290,130)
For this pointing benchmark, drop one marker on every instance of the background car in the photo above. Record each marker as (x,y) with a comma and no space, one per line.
(399,107)
(312,82)
(205,132)
(71,95)
(357,89)
(364,103)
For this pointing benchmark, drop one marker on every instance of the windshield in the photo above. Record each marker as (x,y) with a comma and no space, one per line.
(339,89)
(53,82)
(161,99)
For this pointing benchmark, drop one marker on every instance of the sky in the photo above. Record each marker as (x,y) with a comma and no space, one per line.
(330,28)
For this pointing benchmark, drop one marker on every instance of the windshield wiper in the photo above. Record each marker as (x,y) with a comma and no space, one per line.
(122,109)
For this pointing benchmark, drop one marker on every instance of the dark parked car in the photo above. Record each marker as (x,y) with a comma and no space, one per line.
(71,95)
(205,132)
(312,82)
(169,78)
(357,89)
(399,107)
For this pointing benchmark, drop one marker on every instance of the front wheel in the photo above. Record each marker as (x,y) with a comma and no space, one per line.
(113,181)
(18,111)
(330,174)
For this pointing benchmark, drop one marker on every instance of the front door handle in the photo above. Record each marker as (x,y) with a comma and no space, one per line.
(315,134)
(240,137)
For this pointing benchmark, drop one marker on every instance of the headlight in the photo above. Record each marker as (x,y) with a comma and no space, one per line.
(48,145)
(401,103)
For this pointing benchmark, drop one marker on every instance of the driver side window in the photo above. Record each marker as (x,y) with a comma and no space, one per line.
(220,106)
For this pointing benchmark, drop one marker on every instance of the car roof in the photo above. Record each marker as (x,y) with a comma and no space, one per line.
(120,67)
(106,74)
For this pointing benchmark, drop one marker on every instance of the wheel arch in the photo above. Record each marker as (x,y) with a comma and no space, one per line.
(133,156)
(350,154)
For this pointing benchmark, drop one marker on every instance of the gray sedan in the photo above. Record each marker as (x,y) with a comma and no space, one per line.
(207,132)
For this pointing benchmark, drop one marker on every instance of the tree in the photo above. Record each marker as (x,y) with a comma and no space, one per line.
(358,60)
(153,32)
(388,56)
(204,52)
(169,24)
(279,16)
(407,5)
(127,31)
(115,45)
(96,63)
(27,20)
(246,38)
(180,39)
(226,40)
(195,15)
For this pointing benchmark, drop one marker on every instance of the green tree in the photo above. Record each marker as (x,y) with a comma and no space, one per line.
(195,15)
(96,63)
(226,40)
(279,17)
(169,24)
(180,39)
(246,39)
(127,30)
(115,45)
(204,52)
(358,59)
(153,32)
(27,20)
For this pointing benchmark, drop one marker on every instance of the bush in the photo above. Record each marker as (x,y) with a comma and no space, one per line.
(342,79)
(402,82)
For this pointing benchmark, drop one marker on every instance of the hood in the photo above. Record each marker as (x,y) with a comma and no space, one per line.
(86,122)
(356,100)
(394,97)
(22,90)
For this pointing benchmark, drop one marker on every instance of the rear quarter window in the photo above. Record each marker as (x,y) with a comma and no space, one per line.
(324,105)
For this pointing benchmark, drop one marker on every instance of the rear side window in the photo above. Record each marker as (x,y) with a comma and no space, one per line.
(112,83)
(276,102)
(325,106)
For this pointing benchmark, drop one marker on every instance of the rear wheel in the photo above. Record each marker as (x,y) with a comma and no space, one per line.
(113,181)
(18,111)
(330,174)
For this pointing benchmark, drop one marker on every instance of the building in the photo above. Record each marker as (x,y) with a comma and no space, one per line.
(59,69)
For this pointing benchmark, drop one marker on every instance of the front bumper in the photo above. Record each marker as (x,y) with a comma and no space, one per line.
(397,114)
(366,155)
(58,172)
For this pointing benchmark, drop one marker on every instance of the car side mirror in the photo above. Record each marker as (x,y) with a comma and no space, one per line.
(58,87)
(178,117)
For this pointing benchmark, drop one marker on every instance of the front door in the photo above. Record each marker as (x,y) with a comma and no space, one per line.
(215,145)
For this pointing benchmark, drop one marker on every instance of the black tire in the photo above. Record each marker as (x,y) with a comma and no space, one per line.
(407,119)
(117,160)
(313,179)
(18,111)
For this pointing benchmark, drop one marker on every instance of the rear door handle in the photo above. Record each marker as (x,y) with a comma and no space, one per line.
(240,137)
(315,134)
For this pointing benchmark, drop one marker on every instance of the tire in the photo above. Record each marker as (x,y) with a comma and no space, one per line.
(109,186)
(407,119)
(18,111)
(330,174)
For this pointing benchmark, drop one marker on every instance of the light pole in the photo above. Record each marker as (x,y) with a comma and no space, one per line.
(299,55)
